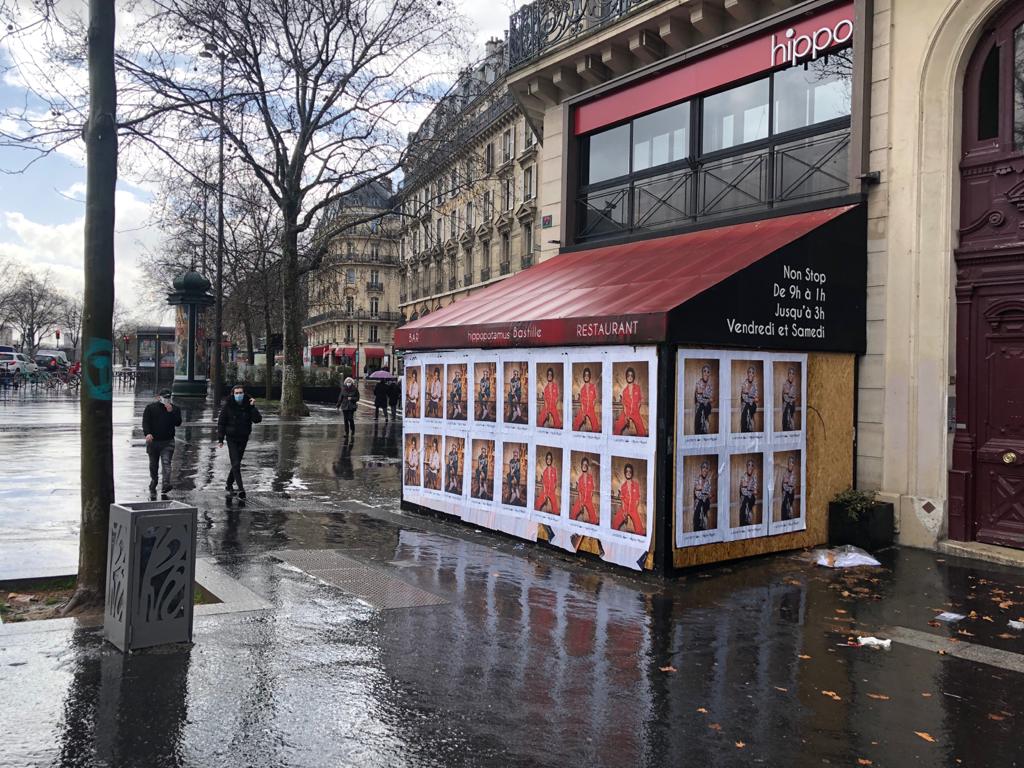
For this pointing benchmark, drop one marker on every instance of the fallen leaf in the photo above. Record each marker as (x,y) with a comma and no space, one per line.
(804,656)
(926,695)
(832,695)
(994,716)
(863,761)
(987,618)
(715,727)
(941,653)
(926,736)
(780,688)
(934,623)
(740,745)
(702,710)
(1005,636)
(878,696)
(840,610)
(669,668)
(965,633)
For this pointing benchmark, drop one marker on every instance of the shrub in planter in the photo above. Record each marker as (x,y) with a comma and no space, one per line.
(858,518)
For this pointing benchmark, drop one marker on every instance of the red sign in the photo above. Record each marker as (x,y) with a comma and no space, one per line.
(801,40)
(632,329)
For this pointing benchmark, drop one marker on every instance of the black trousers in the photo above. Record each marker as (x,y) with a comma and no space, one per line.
(161,452)
(350,420)
(236,450)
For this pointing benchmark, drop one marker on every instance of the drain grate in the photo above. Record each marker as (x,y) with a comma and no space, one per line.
(368,582)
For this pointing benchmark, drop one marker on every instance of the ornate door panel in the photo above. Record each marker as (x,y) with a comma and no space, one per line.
(999,411)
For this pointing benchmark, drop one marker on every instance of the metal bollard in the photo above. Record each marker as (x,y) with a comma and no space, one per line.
(151,569)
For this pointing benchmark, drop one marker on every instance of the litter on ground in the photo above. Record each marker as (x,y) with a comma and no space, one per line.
(843,557)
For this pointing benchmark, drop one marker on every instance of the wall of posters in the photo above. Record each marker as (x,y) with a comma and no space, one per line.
(552,441)
(740,467)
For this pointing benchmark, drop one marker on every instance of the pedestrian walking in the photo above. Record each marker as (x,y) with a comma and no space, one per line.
(234,425)
(158,422)
(394,396)
(380,399)
(347,405)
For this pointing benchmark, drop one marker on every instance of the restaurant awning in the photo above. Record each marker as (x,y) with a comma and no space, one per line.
(791,282)
(319,350)
(373,352)
(344,351)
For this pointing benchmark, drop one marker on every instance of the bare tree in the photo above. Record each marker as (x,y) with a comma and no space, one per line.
(317,98)
(10,277)
(69,318)
(36,307)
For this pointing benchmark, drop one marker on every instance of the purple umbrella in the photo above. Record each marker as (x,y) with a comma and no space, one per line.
(383,373)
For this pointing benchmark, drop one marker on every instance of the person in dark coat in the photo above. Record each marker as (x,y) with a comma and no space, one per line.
(347,401)
(380,399)
(394,396)
(158,422)
(234,425)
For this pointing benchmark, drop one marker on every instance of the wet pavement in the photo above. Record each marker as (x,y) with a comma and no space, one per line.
(532,659)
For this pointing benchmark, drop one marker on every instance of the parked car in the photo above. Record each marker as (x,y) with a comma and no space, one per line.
(61,356)
(15,362)
(7,348)
(52,362)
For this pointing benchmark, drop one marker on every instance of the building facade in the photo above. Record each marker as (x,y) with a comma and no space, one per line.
(352,298)
(469,193)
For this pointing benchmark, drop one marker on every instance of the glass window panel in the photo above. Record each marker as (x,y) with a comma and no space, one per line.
(736,116)
(1018,87)
(988,94)
(819,91)
(661,137)
(608,155)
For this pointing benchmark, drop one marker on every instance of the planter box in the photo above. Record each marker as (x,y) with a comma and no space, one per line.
(872,530)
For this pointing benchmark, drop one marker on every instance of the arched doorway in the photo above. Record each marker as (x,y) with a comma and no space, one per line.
(987,473)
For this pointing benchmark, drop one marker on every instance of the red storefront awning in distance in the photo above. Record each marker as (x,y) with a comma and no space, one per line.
(318,351)
(374,352)
(624,294)
(344,351)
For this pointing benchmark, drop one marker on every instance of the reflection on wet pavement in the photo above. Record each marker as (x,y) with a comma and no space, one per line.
(534,659)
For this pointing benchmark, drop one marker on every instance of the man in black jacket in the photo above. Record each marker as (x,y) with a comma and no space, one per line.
(235,425)
(158,423)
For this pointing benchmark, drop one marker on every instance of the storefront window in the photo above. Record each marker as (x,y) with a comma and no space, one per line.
(815,93)
(661,137)
(736,116)
(608,155)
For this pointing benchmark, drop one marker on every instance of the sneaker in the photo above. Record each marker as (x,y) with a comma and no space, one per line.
(165,490)
(241,494)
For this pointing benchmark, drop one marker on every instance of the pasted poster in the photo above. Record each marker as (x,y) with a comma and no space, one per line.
(740,462)
(550,380)
(181,342)
(202,362)
(455,405)
(434,402)
(413,374)
(485,390)
(554,442)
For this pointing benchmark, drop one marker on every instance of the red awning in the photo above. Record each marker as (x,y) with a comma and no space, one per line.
(344,351)
(373,352)
(319,351)
(616,294)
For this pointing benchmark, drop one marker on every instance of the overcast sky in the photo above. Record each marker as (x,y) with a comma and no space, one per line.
(42,208)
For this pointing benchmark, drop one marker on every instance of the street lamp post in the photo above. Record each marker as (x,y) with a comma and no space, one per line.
(209,51)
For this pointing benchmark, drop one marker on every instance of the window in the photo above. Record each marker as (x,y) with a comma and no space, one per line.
(528,183)
(508,199)
(439,229)
(350,249)
(374,306)
(508,145)
(506,247)
(375,276)
(529,139)
(454,183)
(736,116)
(350,276)
(374,333)
(453,223)
(489,157)
(488,207)
(469,267)
(661,137)
(469,215)
(815,93)
(527,239)
(607,155)
(350,304)
(988,95)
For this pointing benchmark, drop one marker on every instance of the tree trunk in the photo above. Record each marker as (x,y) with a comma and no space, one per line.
(268,328)
(291,381)
(97,457)
(247,323)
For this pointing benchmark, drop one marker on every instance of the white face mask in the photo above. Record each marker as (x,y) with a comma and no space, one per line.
(163,401)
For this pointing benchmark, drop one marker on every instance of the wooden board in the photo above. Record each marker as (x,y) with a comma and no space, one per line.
(829,414)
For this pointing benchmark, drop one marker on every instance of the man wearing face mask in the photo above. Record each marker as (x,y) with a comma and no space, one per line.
(158,423)
(235,425)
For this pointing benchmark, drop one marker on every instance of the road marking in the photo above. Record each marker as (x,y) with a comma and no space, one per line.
(981,654)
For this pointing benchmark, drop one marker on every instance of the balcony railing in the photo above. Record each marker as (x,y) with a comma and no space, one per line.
(355,314)
(773,177)
(544,24)
(527,260)
(485,274)
(372,286)
(403,297)
(467,279)
(452,282)
(367,258)
(506,267)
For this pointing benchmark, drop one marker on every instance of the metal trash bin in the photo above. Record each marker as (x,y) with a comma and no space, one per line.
(151,569)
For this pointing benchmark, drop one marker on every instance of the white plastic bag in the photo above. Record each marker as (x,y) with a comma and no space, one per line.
(846,556)
(875,642)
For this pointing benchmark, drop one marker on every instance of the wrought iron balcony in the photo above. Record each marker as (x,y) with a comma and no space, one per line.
(527,260)
(767,178)
(485,274)
(366,258)
(355,314)
(506,267)
(544,24)
(452,282)
(372,286)
(403,297)
(467,279)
